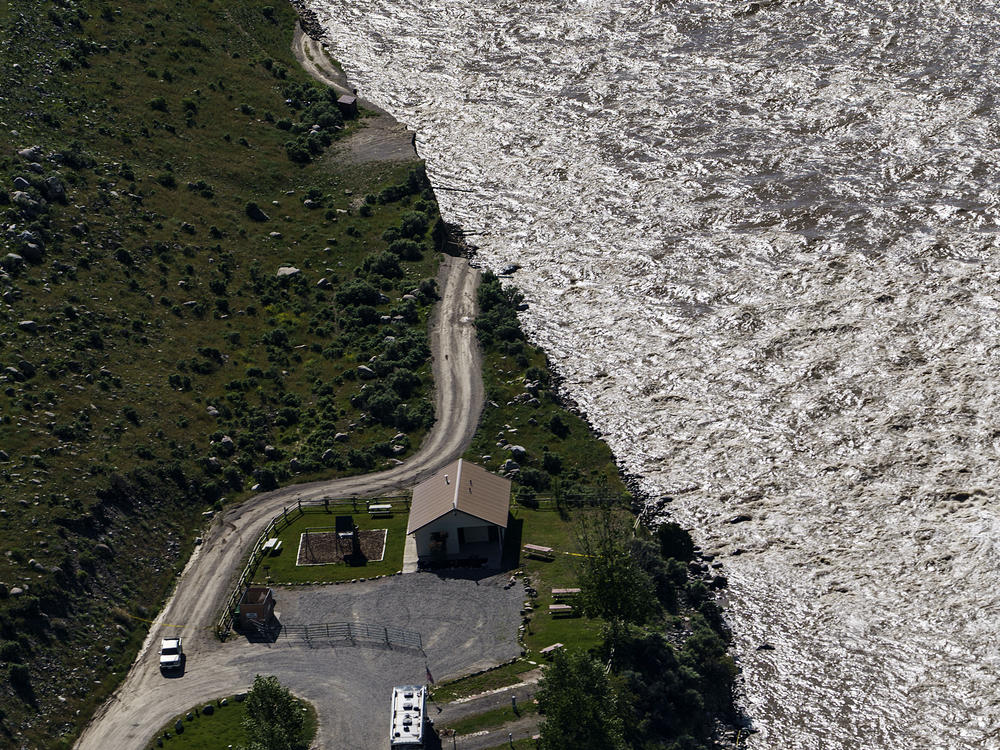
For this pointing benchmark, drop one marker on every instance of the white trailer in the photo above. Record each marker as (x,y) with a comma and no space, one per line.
(409,712)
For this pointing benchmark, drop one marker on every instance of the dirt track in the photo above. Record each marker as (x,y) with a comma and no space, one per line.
(381,138)
(146,699)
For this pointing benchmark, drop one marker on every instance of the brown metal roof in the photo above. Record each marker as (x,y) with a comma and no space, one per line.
(460,486)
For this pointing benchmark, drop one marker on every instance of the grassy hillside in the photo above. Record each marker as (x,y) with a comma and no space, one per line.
(160,163)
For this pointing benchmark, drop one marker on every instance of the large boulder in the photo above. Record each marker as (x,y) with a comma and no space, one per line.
(54,189)
(31,153)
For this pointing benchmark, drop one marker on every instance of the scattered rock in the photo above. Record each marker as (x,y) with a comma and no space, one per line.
(33,252)
(765,647)
(365,372)
(31,153)
(54,189)
(275,235)
(517,452)
(295,465)
(341,437)
(741,518)
(212,411)
(510,465)
(287,271)
(508,269)
(323,284)
(208,709)
(21,184)
(16,591)
(12,262)
(328,455)
(28,325)
(4,456)
(227,445)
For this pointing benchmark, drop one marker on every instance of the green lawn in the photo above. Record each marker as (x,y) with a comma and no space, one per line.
(222,729)
(508,674)
(550,528)
(491,719)
(523,744)
(281,568)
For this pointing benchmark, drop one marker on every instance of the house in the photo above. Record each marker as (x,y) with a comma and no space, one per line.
(460,513)
(256,607)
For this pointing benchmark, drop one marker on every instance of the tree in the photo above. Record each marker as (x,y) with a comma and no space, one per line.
(273,716)
(579,705)
(613,584)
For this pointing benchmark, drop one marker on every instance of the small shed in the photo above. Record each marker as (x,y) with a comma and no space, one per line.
(256,607)
(348,105)
(460,512)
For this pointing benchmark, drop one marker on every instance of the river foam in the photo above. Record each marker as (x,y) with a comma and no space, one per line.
(759,242)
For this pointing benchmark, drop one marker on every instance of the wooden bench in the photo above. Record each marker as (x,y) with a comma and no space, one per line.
(560,609)
(270,544)
(380,509)
(543,553)
(549,650)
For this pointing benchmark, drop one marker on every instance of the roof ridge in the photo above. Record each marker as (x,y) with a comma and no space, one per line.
(458,483)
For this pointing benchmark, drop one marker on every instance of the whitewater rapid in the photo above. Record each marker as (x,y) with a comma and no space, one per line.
(760,245)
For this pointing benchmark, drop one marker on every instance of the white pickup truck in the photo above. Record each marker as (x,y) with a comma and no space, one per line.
(171,654)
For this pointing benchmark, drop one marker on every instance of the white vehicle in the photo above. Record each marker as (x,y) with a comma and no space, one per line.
(408,715)
(171,654)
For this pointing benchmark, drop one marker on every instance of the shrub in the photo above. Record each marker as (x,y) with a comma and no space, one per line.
(414,224)
(20,677)
(406,249)
(158,103)
(383,264)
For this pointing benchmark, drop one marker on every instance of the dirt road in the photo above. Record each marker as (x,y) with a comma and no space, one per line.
(146,699)
(382,138)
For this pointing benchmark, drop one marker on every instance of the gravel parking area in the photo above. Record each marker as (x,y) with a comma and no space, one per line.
(465,625)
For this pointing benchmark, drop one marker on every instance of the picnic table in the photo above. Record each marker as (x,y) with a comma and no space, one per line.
(380,509)
(564,593)
(535,550)
(560,609)
(272,546)
(549,650)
